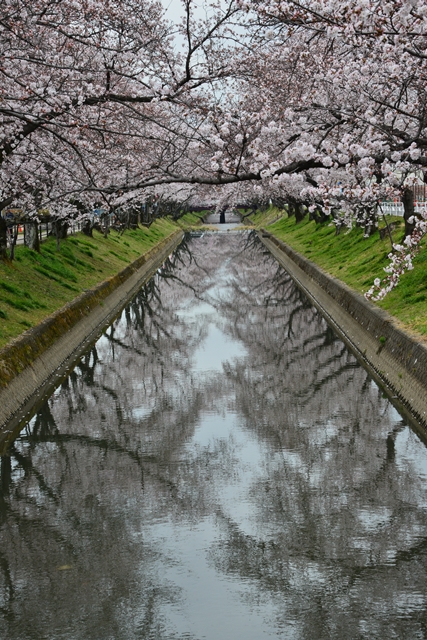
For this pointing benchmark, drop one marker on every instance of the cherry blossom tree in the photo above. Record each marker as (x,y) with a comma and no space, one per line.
(94,97)
(363,67)
(319,105)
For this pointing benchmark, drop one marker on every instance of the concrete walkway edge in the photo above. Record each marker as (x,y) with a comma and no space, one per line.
(396,361)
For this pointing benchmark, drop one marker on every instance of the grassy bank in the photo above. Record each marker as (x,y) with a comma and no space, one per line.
(357,261)
(192,220)
(36,284)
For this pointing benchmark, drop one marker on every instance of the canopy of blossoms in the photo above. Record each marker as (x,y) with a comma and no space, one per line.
(319,105)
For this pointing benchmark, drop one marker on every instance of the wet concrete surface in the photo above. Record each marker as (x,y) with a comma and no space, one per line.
(218,466)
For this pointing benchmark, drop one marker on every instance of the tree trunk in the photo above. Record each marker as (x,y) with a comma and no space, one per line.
(408,210)
(3,239)
(318,215)
(64,230)
(222,217)
(300,213)
(59,231)
(87,228)
(32,240)
(13,243)
(134,219)
(58,235)
(106,226)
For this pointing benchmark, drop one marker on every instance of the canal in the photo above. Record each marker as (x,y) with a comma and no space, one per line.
(217,466)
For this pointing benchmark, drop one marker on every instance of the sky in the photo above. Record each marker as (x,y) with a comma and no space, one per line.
(174,9)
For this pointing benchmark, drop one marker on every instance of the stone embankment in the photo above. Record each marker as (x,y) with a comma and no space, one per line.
(33,364)
(395,359)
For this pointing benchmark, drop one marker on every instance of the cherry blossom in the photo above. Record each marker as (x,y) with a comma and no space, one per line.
(318,106)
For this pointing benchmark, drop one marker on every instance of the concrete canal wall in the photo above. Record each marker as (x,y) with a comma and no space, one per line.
(32,365)
(395,359)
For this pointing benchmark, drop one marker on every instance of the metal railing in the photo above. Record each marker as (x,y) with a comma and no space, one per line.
(396,208)
(45,228)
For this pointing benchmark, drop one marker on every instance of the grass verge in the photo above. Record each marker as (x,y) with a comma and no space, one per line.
(192,220)
(35,284)
(357,261)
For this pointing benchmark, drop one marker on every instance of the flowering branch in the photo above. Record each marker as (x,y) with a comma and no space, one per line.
(400,260)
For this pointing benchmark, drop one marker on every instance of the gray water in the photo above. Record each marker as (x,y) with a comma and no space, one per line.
(218,466)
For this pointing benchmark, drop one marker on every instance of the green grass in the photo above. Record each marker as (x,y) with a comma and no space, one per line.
(190,220)
(37,284)
(357,261)
(263,218)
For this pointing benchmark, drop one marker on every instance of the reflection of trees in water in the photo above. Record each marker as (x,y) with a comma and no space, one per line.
(338,519)
(73,546)
(103,450)
(338,524)
(66,484)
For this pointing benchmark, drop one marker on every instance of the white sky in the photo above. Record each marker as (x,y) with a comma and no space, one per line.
(174,8)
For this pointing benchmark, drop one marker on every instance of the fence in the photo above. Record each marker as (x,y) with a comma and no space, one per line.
(396,208)
(44,229)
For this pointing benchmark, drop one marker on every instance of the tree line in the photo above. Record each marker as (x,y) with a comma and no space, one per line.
(319,106)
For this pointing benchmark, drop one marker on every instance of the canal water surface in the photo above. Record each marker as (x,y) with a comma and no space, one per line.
(217,466)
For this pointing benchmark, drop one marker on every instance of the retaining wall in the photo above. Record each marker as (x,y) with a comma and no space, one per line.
(33,364)
(395,359)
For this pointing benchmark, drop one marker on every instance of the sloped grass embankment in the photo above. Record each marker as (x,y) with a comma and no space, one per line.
(357,261)
(35,284)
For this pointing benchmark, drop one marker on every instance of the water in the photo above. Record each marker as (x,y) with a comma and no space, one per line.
(218,466)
